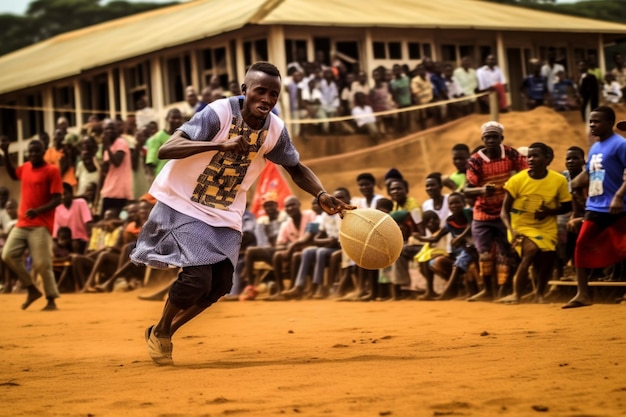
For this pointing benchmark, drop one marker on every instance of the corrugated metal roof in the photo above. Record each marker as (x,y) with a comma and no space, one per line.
(69,54)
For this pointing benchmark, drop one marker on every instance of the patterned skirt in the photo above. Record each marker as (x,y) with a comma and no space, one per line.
(172,239)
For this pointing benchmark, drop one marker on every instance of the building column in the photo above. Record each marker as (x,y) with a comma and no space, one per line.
(368,58)
(123,97)
(49,124)
(195,78)
(111,88)
(601,55)
(239,56)
(278,57)
(156,79)
(78,103)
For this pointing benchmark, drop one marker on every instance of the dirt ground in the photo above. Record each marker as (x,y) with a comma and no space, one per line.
(323,358)
(314,358)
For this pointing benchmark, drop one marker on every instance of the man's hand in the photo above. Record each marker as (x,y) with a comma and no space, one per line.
(31,213)
(237,145)
(617,205)
(332,205)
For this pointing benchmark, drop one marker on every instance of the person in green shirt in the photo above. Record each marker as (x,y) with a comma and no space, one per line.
(173,120)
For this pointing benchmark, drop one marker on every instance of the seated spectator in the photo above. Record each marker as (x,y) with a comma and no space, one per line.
(288,242)
(366,183)
(62,250)
(125,268)
(316,258)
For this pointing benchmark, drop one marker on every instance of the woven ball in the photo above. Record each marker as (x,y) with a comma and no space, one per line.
(371,238)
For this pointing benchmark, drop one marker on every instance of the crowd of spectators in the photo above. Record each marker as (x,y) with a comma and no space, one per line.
(106,170)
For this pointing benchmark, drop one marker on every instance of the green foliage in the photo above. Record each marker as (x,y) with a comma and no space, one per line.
(607,10)
(47,18)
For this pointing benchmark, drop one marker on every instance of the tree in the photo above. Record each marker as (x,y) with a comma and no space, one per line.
(47,18)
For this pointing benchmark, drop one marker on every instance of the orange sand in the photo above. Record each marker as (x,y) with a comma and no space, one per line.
(323,358)
(314,358)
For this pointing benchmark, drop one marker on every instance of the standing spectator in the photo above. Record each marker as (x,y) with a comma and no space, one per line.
(296,107)
(173,120)
(587,90)
(329,101)
(141,181)
(7,277)
(192,102)
(619,72)
(40,193)
(466,76)
(534,87)
(457,180)
(611,90)
(364,117)
(143,113)
(491,78)
(400,87)
(75,215)
(117,187)
(551,69)
(487,172)
(453,87)
(564,93)
(88,168)
(422,90)
(380,99)
(62,155)
(533,200)
(602,238)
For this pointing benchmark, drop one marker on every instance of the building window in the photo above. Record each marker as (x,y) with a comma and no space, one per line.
(34,118)
(213,62)
(296,51)
(63,103)
(254,51)
(177,77)
(137,80)
(387,50)
(448,53)
(415,50)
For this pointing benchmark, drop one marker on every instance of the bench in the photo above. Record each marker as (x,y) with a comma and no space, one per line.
(591,283)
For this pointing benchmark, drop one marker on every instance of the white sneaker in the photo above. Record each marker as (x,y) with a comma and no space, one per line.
(159,348)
